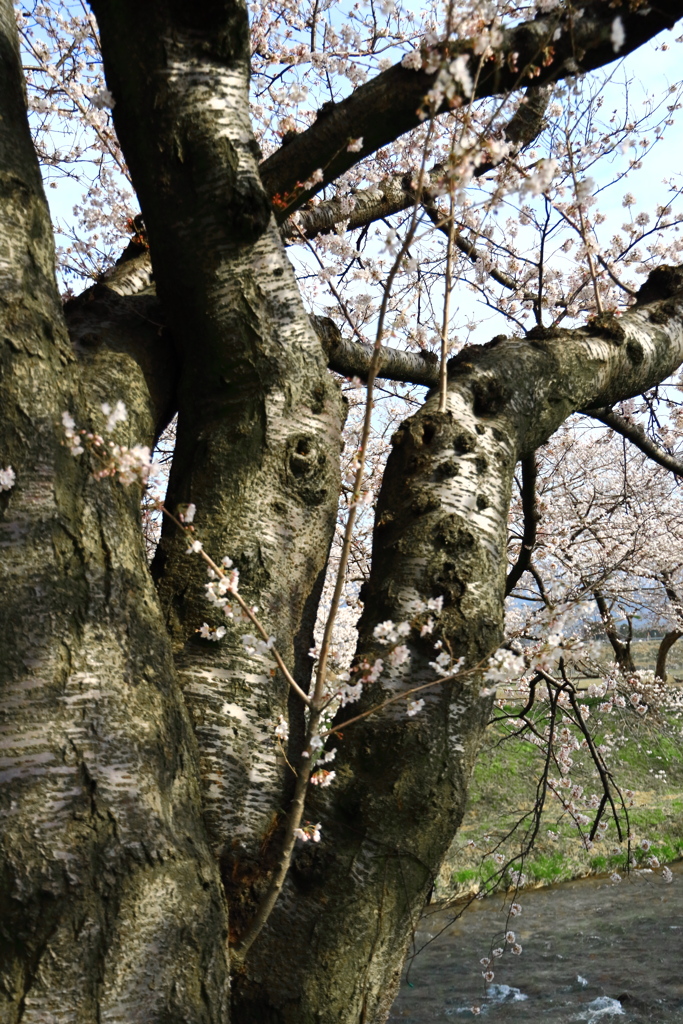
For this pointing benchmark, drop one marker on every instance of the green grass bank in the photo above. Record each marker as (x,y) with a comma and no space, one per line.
(645,755)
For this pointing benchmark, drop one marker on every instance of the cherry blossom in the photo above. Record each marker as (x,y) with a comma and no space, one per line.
(7,478)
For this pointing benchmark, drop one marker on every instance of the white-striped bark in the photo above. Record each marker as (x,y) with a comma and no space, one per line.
(111,905)
(259,416)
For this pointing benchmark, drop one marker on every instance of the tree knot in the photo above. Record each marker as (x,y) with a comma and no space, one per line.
(662,283)
(609,326)
(541,333)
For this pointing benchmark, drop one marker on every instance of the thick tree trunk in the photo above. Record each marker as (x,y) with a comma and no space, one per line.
(111,905)
(259,415)
(662,654)
(621,647)
(673,635)
(115,811)
(440,531)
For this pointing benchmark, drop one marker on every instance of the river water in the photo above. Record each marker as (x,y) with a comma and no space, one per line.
(593,951)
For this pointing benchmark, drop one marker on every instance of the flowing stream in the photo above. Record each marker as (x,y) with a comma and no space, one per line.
(593,951)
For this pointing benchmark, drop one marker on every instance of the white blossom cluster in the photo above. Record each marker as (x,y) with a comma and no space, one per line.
(256,645)
(219,587)
(323,778)
(128,464)
(282,729)
(119,414)
(308,832)
(208,632)
(72,435)
(70,118)
(504,665)
(7,478)
(389,632)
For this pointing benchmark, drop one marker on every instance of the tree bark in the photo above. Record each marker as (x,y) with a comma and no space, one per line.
(621,647)
(138,760)
(673,635)
(662,654)
(111,903)
(441,531)
(397,193)
(259,419)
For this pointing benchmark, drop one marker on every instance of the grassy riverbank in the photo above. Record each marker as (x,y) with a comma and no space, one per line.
(646,756)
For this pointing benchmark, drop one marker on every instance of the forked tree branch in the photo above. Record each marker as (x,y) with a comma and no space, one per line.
(545,49)
(397,193)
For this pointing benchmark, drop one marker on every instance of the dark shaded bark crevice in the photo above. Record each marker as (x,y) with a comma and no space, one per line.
(531,518)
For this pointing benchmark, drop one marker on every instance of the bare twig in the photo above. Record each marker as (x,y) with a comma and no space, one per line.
(189,531)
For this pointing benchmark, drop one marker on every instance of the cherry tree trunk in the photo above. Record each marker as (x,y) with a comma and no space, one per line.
(143,792)
(667,642)
(112,907)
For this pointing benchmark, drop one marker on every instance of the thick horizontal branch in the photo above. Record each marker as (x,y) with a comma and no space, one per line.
(545,49)
(634,433)
(397,193)
(393,195)
(545,377)
(649,336)
(134,321)
(352,358)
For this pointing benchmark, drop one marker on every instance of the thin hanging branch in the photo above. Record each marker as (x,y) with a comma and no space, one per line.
(474,254)
(634,433)
(448,286)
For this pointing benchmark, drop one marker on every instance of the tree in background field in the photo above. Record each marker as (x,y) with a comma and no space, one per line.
(169,816)
(607,522)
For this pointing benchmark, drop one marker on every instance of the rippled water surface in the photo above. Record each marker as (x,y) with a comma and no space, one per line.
(592,951)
